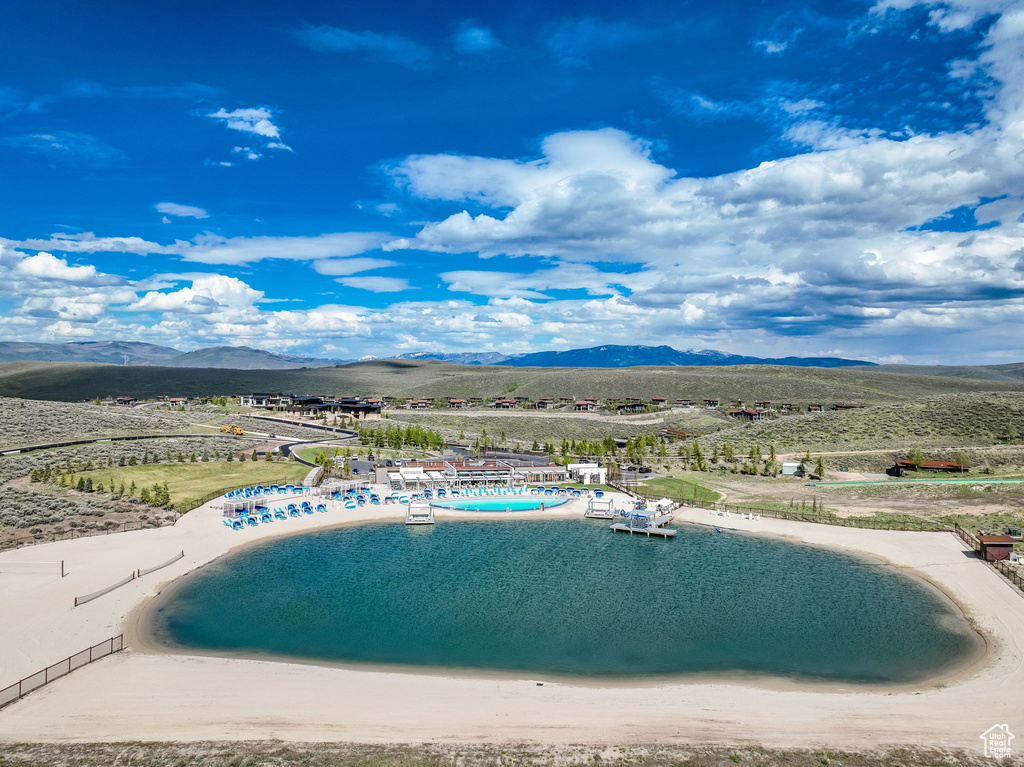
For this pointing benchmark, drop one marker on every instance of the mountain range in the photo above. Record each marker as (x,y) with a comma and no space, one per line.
(138,353)
(247,358)
(613,356)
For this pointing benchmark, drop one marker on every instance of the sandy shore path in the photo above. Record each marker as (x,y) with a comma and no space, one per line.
(141,695)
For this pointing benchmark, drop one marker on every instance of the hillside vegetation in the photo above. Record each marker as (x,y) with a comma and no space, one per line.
(31,422)
(951,420)
(540,427)
(418,378)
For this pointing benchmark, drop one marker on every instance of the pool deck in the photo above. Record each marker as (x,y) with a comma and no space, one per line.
(145,694)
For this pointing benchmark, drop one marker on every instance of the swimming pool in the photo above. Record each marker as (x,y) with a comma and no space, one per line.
(501,504)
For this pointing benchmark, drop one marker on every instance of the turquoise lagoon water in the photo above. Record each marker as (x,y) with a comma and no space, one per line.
(567,597)
(501,504)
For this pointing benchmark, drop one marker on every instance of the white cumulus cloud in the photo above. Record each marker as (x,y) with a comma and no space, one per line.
(181,211)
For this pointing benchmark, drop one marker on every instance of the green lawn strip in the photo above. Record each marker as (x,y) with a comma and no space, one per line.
(189,481)
(676,487)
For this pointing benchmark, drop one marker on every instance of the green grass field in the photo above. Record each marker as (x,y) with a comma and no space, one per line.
(189,481)
(676,487)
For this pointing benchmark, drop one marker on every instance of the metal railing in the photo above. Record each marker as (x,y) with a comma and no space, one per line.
(23,687)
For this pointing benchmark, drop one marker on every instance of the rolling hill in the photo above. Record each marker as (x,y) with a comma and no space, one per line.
(1013,371)
(244,358)
(114,352)
(417,378)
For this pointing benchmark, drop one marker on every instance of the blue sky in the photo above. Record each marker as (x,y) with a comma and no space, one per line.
(349,180)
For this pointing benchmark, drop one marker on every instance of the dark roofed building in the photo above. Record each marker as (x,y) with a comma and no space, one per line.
(995,547)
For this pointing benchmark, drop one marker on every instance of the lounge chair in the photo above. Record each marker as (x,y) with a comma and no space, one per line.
(237,524)
(321,507)
(279,514)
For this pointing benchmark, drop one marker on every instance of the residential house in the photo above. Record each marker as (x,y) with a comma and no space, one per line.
(585,406)
(748,414)
(458,404)
(711,403)
(276,401)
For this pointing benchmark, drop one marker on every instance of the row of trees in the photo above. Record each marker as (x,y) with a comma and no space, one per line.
(397,437)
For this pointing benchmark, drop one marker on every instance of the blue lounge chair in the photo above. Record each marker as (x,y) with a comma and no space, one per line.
(278,514)
(251,521)
(237,524)
(321,507)
(265,517)
(293,512)
(226,521)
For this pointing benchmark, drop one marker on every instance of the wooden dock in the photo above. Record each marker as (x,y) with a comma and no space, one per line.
(664,532)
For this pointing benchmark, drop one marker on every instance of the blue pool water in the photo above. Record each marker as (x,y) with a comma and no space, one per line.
(567,597)
(509,503)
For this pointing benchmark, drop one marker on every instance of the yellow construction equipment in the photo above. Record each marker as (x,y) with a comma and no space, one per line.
(232,429)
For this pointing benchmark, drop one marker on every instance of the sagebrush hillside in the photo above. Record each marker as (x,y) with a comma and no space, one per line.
(975,419)
(419,378)
(29,422)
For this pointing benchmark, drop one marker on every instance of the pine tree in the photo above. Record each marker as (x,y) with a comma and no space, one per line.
(253,456)
(132,460)
(144,495)
(241,457)
(80,485)
(231,457)
(88,484)
(121,461)
(819,469)
(131,489)
(193,458)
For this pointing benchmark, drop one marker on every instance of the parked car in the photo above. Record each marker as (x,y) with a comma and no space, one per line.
(645,469)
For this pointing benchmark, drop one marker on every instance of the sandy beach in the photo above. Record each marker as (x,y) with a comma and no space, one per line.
(146,694)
